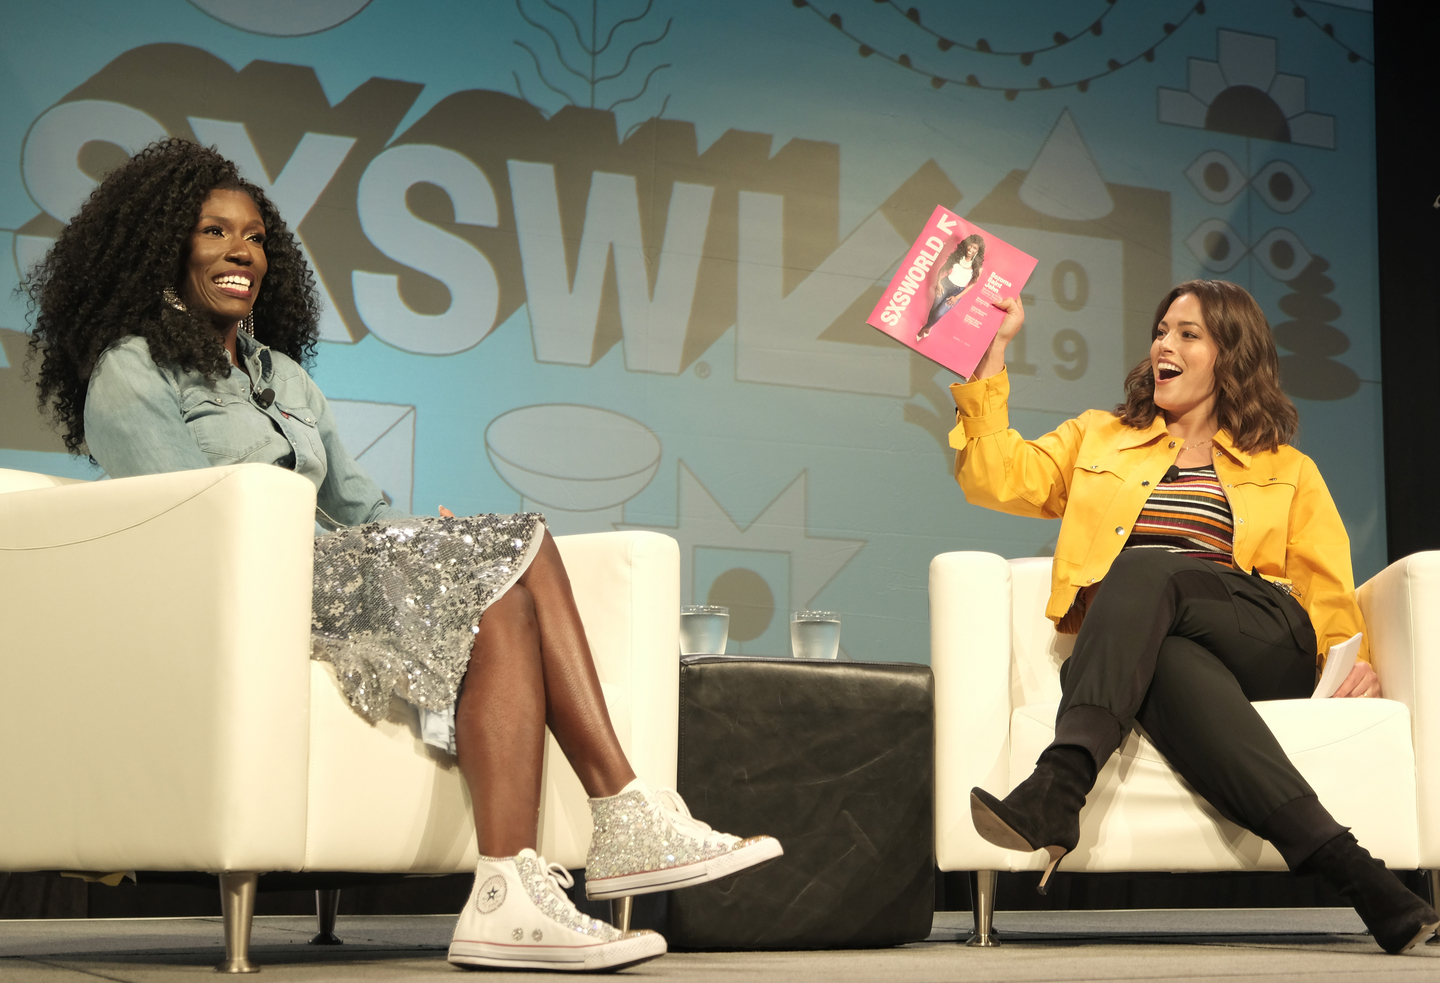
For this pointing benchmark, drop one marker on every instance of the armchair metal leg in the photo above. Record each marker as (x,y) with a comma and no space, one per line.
(982,900)
(620,912)
(237,904)
(327,906)
(1434,899)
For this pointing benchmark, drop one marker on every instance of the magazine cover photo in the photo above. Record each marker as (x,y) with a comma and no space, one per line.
(941,301)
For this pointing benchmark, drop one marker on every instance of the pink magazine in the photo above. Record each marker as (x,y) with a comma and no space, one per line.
(941,302)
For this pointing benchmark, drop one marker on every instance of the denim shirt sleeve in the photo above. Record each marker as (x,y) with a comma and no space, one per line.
(348,496)
(133,422)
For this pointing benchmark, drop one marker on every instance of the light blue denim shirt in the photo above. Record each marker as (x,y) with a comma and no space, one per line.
(143,418)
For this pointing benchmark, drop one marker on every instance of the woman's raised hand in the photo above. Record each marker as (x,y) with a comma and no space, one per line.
(994,358)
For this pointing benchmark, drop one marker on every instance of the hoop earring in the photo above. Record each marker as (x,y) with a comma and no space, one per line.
(171,298)
(248,324)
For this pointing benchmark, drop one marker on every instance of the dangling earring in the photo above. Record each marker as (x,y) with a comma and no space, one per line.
(248,324)
(172,298)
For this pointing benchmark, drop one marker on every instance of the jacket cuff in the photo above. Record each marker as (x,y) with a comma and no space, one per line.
(981,408)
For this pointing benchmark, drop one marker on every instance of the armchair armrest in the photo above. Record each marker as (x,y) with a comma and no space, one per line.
(970,629)
(13,481)
(1401,606)
(156,664)
(627,589)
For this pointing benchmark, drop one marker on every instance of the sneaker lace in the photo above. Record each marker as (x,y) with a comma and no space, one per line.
(678,813)
(559,877)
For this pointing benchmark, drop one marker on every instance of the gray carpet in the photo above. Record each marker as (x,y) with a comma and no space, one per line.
(1308,944)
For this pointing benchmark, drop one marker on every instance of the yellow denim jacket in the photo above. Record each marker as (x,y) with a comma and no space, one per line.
(1095,474)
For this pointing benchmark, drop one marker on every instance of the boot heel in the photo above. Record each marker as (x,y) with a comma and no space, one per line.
(1043,812)
(1057,854)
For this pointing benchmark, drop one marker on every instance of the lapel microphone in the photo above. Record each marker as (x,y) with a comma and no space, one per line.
(266,397)
(1173,474)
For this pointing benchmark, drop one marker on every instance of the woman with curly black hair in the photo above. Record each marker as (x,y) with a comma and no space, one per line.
(171,319)
(960,272)
(105,279)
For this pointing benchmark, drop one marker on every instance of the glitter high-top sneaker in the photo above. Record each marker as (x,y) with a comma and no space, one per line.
(518,917)
(645,840)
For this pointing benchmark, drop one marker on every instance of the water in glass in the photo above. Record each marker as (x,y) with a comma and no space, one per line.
(704,629)
(815,634)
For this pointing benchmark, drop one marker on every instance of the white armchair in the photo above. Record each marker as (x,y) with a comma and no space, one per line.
(996,660)
(164,712)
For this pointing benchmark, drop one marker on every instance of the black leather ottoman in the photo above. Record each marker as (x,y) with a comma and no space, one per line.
(836,760)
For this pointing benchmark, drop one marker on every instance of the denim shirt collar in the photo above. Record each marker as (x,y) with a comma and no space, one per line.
(258,363)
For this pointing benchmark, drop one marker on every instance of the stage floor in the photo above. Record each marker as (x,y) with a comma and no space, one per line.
(1175,945)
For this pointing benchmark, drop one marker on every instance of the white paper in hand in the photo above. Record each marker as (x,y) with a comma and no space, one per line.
(1338,663)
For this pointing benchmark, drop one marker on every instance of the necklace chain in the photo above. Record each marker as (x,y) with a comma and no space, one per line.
(1191,447)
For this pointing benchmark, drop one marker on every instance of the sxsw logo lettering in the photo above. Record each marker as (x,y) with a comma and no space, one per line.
(430,238)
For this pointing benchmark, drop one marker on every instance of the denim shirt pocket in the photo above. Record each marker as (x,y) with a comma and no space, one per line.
(224,425)
(301,425)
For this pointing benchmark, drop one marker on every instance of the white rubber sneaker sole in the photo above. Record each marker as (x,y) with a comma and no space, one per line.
(756,850)
(632,951)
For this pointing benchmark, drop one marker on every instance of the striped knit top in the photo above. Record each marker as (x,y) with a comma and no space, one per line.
(1189,515)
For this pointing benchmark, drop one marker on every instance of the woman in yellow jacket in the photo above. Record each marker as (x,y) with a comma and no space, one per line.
(1203,564)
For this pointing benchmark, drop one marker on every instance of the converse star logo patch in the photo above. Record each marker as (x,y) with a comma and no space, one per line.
(491,894)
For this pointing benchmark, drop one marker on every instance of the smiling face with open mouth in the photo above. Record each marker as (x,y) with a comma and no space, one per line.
(1182,358)
(227,258)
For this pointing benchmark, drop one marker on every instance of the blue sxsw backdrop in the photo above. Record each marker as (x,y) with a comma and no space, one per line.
(611,260)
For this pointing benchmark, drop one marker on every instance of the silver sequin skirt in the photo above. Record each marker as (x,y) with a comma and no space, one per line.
(397,605)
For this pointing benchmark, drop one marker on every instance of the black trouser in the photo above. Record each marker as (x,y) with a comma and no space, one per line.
(1181,646)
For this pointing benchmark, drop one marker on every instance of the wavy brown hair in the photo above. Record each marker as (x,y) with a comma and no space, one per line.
(103,278)
(1249,403)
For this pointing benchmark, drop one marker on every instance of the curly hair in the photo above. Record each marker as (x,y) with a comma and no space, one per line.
(959,253)
(104,277)
(1249,403)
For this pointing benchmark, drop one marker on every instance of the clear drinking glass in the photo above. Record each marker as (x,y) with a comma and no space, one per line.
(815,634)
(704,629)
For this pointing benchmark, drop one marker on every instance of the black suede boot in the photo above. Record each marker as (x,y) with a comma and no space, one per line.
(1395,917)
(1043,813)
